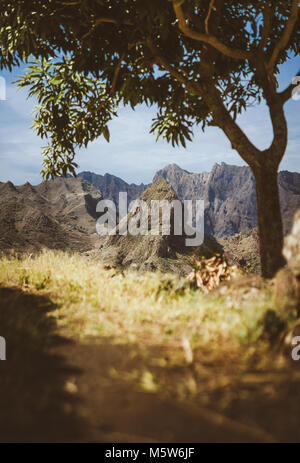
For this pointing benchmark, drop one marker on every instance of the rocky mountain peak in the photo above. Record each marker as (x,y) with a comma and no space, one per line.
(110,186)
(159,190)
(229,195)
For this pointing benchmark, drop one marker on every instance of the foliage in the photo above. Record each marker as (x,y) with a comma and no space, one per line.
(73,108)
(209,273)
(104,53)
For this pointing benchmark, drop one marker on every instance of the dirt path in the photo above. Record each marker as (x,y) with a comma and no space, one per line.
(56,389)
(118,410)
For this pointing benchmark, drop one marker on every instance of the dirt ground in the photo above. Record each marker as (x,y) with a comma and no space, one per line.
(54,389)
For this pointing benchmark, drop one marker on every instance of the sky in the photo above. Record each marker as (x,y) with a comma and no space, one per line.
(133,153)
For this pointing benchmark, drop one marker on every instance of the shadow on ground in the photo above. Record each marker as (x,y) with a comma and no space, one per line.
(33,401)
(54,389)
(123,405)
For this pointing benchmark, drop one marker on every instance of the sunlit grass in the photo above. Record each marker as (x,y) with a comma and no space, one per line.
(136,307)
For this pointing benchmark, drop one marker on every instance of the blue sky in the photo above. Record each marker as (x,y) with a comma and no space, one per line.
(133,154)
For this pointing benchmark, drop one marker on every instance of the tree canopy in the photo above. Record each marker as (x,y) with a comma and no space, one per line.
(91,56)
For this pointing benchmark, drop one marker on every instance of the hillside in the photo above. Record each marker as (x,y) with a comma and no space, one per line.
(148,251)
(59,214)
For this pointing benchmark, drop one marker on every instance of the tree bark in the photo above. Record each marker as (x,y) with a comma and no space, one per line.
(269,220)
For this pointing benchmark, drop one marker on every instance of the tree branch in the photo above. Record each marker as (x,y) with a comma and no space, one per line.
(180,76)
(112,89)
(207,38)
(239,140)
(208,92)
(68,3)
(266,26)
(104,20)
(116,74)
(210,9)
(274,102)
(287,33)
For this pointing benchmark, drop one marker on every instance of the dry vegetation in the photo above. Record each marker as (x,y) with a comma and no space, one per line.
(152,350)
(95,299)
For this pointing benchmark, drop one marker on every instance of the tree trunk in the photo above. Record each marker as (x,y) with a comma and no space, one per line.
(264,164)
(269,220)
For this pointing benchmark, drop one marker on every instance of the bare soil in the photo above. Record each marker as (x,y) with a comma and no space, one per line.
(55,389)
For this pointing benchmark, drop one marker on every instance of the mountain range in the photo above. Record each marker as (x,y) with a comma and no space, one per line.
(228,192)
(61,213)
(110,186)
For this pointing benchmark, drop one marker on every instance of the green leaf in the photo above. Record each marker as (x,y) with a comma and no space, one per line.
(106,133)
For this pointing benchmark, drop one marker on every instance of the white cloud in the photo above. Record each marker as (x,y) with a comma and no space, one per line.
(133,153)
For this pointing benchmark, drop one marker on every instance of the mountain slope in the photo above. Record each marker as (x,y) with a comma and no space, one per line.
(60,214)
(229,195)
(152,251)
(110,186)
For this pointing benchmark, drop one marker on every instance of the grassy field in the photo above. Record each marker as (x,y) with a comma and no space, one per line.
(93,299)
(140,333)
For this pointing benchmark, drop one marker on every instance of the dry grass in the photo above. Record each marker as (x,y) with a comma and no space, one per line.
(136,307)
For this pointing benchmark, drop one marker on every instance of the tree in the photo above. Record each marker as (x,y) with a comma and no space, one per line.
(199,61)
